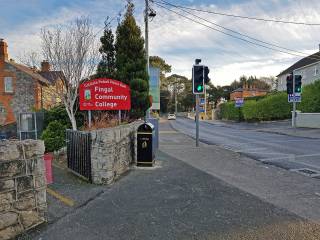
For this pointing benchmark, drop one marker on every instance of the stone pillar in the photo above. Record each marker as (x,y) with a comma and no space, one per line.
(22,187)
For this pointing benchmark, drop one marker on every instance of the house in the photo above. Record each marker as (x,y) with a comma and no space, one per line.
(25,89)
(307,67)
(247,91)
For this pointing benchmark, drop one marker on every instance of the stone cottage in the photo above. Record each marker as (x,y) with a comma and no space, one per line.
(25,89)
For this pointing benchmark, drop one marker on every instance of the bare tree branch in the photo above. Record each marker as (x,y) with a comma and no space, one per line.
(71,49)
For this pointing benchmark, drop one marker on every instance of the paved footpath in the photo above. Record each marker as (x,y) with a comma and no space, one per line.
(175,200)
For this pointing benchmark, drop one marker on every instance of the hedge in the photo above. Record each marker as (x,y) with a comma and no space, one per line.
(310,98)
(272,107)
(228,111)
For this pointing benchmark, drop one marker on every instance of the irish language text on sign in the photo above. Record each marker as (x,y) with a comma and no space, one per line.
(104,94)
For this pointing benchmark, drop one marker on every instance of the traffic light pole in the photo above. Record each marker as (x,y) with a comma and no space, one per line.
(197,120)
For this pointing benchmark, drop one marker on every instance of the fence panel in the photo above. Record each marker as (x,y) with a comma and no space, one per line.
(79,153)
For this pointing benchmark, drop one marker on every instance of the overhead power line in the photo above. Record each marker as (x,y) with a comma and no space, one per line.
(250,18)
(233,31)
(231,35)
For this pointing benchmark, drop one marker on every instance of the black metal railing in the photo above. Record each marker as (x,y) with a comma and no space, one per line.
(79,153)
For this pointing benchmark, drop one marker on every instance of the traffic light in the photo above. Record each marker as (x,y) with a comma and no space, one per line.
(297,83)
(206,75)
(198,79)
(290,84)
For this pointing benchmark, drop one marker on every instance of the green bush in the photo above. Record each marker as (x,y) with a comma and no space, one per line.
(310,98)
(272,107)
(54,136)
(60,114)
(228,111)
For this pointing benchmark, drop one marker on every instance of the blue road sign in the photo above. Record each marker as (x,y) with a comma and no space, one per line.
(239,102)
(297,97)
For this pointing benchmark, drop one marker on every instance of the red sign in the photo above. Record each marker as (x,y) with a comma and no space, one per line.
(104,94)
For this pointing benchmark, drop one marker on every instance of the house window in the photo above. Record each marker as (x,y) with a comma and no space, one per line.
(8,85)
(316,71)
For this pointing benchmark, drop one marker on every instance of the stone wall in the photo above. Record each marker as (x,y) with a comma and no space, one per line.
(308,120)
(22,187)
(112,152)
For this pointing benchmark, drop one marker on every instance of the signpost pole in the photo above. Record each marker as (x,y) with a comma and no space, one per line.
(197,120)
(119,116)
(89,118)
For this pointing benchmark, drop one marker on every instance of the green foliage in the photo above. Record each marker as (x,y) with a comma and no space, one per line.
(60,114)
(310,98)
(140,101)
(164,100)
(131,62)
(272,107)
(228,111)
(54,136)
(130,53)
(106,67)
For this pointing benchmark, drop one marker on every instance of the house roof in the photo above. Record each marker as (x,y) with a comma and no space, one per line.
(303,62)
(30,72)
(52,76)
(249,89)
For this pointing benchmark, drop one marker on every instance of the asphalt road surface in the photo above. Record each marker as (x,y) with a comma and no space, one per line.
(289,152)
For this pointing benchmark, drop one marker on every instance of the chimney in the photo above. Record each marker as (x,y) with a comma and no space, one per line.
(3,52)
(45,66)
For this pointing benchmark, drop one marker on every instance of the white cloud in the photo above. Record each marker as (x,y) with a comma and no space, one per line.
(180,41)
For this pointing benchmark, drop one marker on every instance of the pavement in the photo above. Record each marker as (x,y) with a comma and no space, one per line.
(293,153)
(183,198)
(278,127)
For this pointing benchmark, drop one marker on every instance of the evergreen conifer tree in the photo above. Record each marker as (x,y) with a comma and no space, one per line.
(106,67)
(131,62)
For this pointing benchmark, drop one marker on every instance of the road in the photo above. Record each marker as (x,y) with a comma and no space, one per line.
(288,152)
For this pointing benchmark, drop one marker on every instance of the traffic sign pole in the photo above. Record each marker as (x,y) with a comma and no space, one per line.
(197,120)
(294,106)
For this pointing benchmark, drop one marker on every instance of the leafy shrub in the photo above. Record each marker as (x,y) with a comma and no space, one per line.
(310,98)
(60,114)
(228,111)
(54,136)
(140,100)
(272,107)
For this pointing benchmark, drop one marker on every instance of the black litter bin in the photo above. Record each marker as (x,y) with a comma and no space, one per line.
(145,145)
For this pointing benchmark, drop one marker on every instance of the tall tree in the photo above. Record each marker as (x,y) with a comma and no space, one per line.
(106,67)
(71,48)
(131,62)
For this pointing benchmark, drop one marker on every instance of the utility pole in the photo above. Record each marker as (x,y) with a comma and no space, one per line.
(175,99)
(146,21)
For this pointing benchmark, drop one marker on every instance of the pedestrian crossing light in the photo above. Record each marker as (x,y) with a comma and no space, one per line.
(198,79)
(298,83)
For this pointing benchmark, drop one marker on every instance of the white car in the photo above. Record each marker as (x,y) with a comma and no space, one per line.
(171,116)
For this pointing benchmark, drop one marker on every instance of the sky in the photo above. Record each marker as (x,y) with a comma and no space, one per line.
(178,40)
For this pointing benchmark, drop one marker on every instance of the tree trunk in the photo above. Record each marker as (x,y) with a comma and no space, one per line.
(73,121)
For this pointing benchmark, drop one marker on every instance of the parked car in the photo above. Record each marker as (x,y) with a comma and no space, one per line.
(171,116)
